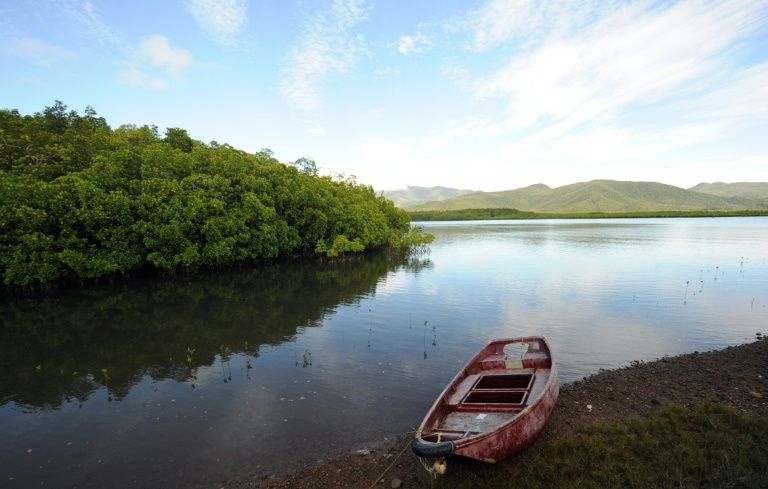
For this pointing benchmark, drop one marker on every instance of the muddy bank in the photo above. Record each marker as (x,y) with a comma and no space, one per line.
(737,376)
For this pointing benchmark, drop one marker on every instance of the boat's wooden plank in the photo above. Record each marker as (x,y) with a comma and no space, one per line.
(475,420)
(539,383)
(461,390)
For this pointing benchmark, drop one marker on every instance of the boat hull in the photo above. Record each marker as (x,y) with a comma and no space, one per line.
(514,437)
(496,406)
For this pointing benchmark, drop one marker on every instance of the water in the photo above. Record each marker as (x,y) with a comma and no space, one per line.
(209,377)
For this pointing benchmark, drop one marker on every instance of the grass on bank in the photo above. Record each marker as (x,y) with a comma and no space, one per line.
(711,446)
(502,213)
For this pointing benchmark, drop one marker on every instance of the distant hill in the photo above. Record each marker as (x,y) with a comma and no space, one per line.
(748,190)
(418,195)
(596,196)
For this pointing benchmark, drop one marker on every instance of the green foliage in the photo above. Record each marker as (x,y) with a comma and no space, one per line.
(178,139)
(414,238)
(710,446)
(306,165)
(339,246)
(82,201)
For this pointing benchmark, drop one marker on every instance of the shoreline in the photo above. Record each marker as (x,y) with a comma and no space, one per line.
(505,214)
(736,376)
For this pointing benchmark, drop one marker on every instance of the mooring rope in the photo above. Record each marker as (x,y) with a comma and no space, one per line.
(376,481)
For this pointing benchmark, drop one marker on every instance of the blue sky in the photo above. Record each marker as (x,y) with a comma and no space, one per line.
(486,95)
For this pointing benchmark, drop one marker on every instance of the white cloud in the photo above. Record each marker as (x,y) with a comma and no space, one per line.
(157,51)
(154,61)
(740,102)
(455,131)
(317,131)
(134,76)
(223,20)
(327,45)
(384,151)
(568,91)
(37,51)
(416,44)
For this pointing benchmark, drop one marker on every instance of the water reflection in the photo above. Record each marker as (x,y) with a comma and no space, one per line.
(224,375)
(65,346)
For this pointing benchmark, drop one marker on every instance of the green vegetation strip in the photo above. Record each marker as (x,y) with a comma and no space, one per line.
(79,201)
(500,214)
(712,446)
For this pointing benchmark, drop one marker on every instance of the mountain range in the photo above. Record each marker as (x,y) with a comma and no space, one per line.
(411,196)
(593,196)
(749,190)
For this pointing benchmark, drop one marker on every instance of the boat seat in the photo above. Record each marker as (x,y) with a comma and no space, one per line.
(536,360)
(492,362)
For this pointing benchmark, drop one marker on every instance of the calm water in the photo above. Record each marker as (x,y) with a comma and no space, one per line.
(223,375)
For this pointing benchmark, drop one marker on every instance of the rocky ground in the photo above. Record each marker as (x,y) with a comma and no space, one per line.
(737,376)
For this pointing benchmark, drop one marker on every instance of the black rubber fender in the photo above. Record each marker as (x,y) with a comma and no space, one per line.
(427,449)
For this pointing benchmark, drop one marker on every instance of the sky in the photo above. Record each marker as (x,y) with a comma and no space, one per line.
(482,95)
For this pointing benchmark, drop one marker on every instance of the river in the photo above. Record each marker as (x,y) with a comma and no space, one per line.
(199,378)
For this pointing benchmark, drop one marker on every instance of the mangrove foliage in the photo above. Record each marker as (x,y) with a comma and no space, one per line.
(80,200)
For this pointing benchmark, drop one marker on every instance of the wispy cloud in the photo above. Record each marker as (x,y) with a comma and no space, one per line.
(223,20)
(416,44)
(86,16)
(636,56)
(597,89)
(154,61)
(529,21)
(37,51)
(327,45)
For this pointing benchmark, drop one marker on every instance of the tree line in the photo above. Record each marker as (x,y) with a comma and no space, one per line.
(503,213)
(80,200)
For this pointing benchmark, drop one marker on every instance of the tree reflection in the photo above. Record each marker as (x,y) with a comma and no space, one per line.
(57,348)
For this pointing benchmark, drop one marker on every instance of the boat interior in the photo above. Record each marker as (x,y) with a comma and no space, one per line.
(505,379)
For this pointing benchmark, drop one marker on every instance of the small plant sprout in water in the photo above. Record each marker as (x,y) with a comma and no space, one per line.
(248,368)
(189,358)
(105,374)
(685,299)
(226,369)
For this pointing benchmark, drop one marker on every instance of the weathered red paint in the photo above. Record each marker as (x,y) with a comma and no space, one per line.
(519,423)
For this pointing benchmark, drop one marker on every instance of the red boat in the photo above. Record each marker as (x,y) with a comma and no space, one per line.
(494,407)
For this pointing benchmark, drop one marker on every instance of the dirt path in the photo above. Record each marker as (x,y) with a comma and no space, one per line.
(736,375)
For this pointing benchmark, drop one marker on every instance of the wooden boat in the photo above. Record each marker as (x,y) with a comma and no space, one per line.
(494,407)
